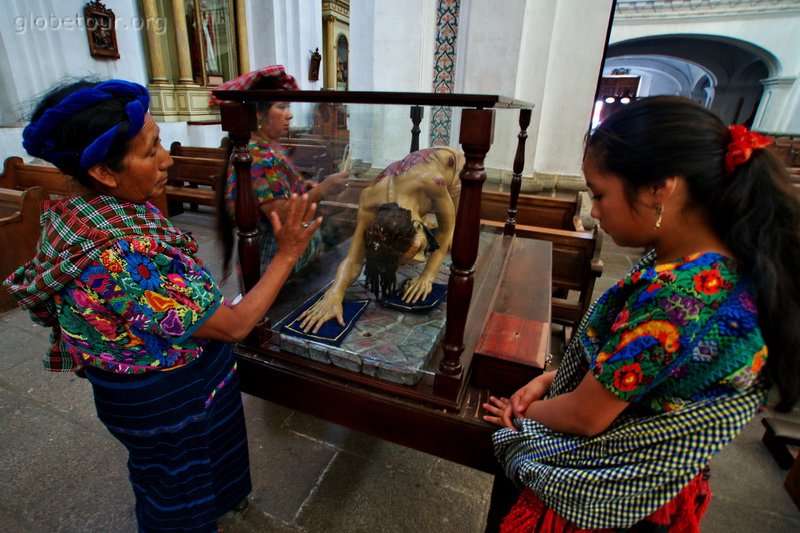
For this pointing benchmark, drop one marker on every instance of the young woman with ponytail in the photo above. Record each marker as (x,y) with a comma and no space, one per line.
(671,362)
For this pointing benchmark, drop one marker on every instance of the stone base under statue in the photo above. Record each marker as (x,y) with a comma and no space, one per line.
(385,343)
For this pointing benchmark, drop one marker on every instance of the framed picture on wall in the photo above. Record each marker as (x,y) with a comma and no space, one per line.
(101,30)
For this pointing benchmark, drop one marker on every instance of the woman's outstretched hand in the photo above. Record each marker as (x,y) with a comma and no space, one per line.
(294,233)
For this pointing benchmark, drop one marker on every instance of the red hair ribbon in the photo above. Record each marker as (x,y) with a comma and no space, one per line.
(743,142)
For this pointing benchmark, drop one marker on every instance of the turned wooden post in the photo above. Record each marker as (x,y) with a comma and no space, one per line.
(239,120)
(416,118)
(477,133)
(519,164)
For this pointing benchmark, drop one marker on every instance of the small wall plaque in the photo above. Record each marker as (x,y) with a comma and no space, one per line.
(101,30)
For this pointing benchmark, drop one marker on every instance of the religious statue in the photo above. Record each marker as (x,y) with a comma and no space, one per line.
(391,230)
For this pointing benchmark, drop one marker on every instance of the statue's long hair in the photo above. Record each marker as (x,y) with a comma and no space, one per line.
(387,238)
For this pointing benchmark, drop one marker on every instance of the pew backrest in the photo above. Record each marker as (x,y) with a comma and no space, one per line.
(19,231)
(198,170)
(197,174)
(221,152)
(576,266)
(313,159)
(194,180)
(19,175)
(543,211)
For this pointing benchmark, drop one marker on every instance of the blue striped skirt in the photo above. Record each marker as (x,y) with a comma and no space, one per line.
(186,439)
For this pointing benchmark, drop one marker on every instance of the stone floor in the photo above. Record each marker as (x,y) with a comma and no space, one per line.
(60,470)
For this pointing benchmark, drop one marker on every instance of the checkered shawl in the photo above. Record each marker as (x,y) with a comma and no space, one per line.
(637,465)
(270,77)
(75,231)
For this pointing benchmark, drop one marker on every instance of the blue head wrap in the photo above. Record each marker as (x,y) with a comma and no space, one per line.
(37,137)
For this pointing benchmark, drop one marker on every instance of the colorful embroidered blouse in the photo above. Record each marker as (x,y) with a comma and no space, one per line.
(678,332)
(680,342)
(134,309)
(272,173)
(274,177)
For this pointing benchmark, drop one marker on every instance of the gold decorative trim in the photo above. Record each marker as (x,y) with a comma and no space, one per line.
(181,103)
(241,37)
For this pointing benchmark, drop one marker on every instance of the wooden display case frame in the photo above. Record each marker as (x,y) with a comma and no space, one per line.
(441,414)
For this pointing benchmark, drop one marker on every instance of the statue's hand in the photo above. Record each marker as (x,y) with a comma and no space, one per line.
(417,289)
(326,308)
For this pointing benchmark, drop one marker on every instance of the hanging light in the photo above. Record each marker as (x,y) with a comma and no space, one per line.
(610,100)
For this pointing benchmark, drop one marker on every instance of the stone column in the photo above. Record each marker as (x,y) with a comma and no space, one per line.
(567,103)
(777,111)
(241,33)
(182,43)
(329,55)
(158,70)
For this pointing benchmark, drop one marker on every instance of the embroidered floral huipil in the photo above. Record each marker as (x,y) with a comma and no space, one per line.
(676,332)
(274,177)
(680,341)
(119,285)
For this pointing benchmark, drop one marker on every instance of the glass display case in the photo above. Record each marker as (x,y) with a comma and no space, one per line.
(421,355)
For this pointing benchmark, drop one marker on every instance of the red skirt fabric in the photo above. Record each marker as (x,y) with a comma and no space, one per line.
(682,514)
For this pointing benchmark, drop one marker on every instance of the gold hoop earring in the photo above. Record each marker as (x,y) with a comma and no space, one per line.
(659,212)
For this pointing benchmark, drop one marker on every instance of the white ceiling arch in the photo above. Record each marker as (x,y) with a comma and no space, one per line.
(733,69)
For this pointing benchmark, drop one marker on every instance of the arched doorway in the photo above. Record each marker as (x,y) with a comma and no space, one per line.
(720,72)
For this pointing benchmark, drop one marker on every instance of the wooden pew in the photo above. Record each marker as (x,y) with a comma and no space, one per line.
(312,158)
(19,232)
(221,152)
(780,436)
(794,177)
(194,180)
(543,211)
(576,266)
(196,175)
(20,176)
(335,145)
(788,150)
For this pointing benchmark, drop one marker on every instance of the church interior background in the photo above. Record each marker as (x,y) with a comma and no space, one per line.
(574,60)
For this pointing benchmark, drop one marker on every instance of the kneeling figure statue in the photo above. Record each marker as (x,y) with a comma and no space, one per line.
(390,231)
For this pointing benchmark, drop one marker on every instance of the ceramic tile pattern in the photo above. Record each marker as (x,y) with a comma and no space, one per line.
(444,68)
(384,343)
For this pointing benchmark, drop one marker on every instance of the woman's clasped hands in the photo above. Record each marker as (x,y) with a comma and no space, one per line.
(502,411)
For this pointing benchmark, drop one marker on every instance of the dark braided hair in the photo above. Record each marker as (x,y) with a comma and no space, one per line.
(387,238)
(754,209)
